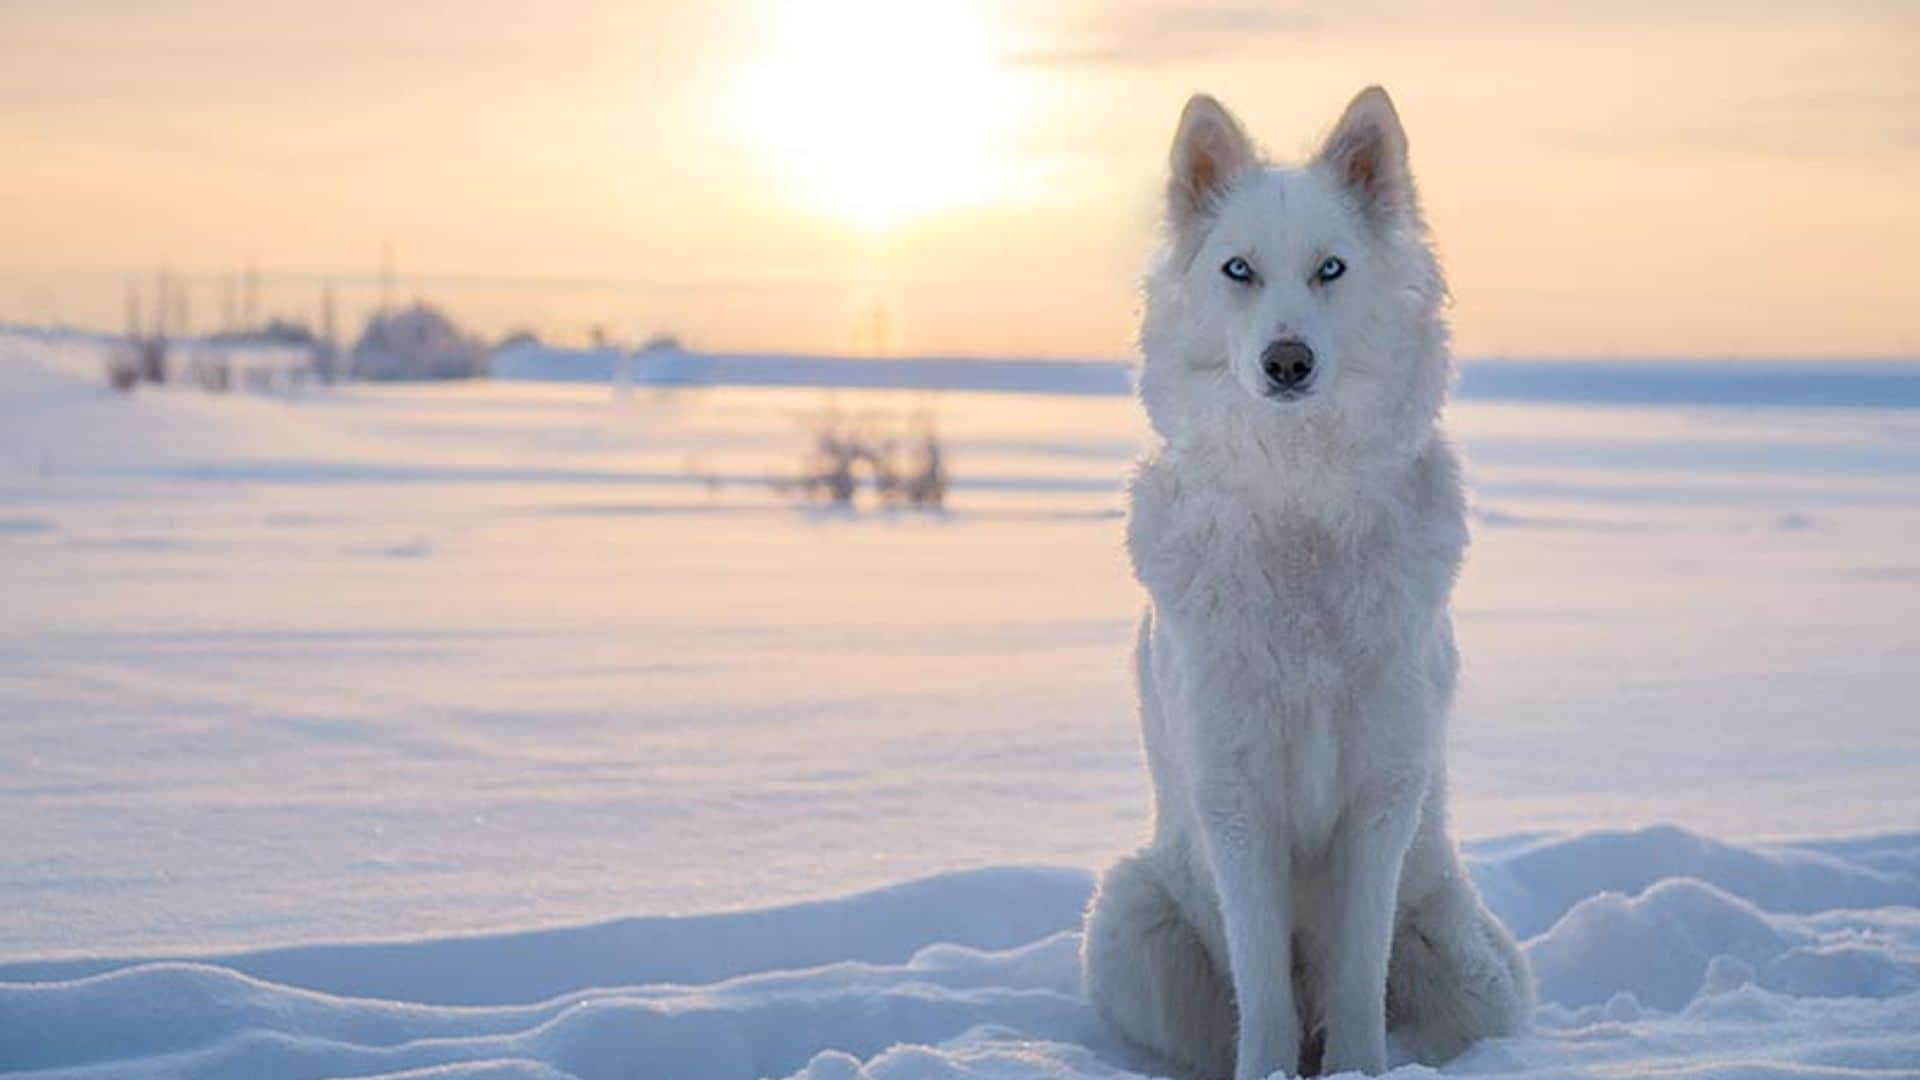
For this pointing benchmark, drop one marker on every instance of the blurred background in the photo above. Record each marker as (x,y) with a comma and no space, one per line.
(945,177)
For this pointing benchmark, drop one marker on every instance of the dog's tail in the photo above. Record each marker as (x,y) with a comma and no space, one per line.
(1456,976)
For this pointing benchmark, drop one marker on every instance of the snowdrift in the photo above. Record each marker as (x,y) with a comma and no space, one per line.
(1659,952)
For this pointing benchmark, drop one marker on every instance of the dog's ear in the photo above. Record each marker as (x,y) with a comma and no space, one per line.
(1209,151)
(1367,153)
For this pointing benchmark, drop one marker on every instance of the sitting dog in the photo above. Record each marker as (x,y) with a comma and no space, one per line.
(1298,528)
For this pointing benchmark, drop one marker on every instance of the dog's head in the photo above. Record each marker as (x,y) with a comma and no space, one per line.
(1303,301)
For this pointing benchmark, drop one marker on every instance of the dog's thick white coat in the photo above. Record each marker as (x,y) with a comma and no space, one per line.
(1301,895)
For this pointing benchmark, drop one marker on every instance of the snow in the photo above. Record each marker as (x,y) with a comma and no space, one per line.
(976,973)
(531,729)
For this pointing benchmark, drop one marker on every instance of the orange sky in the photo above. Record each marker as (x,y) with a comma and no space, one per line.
(946,177)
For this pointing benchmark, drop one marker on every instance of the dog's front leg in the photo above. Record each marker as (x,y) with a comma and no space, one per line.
(1369,848)
(1248,854)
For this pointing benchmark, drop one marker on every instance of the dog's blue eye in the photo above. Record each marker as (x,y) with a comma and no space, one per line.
(1238,269)
(1332,268)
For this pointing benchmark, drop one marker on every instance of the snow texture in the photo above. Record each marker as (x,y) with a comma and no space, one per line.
(383,731)
(976,973)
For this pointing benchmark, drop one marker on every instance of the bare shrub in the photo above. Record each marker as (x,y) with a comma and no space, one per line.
(846,448)
(926,482)
(829,470)
(123,368)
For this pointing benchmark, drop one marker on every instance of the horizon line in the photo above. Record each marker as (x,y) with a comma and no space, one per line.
(1590,358)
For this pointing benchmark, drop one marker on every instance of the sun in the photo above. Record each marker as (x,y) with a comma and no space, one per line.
(879,112)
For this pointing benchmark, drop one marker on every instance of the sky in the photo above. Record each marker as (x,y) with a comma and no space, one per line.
(1619,178)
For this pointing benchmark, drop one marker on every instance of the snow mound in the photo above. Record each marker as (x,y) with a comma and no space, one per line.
(1724,964)
(201,1019)
(1657,946)
(994,908)
(1532,885)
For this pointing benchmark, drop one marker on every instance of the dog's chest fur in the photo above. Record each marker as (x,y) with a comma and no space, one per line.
(1321,615)
(1312,584)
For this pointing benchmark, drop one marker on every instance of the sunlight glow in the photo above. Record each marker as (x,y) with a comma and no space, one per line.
(879,111)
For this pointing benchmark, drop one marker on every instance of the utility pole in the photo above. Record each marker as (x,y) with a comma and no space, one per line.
(160,304)
(250,299)
(386,275)
(133,312)
(329,349)
(153,353)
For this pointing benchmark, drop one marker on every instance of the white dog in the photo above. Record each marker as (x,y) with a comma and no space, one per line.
(1298,529)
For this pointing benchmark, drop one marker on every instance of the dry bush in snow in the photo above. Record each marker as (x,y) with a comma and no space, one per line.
(909,470)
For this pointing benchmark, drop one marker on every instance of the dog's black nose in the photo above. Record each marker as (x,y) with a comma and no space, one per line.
(1288,364)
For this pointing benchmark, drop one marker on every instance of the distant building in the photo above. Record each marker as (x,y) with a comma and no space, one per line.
(663,361)
(415,343)
(518,339)
(276,332)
